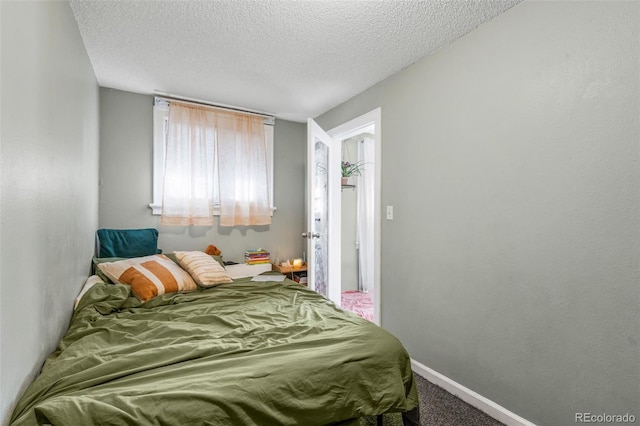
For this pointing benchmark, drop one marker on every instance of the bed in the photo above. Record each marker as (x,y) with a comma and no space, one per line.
(239,353)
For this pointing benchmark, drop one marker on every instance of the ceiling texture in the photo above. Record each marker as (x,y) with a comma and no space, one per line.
(289,58)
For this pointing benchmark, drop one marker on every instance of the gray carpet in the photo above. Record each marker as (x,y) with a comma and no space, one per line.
(439,408)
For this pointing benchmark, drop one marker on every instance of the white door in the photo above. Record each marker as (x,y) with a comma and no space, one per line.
(323,216)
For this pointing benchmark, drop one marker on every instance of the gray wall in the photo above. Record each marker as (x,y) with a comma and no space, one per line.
(126,136)
(49,203)
(511,158)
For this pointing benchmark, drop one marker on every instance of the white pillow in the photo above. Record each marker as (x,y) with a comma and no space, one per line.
(91,281)
(204,269)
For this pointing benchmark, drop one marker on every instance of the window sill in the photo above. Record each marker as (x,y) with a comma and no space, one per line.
(156,210)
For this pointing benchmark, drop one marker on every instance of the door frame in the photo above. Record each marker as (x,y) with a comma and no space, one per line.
(338,134)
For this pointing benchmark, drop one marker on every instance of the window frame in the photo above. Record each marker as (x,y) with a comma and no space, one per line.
(160,124)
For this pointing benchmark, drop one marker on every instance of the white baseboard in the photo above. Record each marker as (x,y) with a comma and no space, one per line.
(472,398)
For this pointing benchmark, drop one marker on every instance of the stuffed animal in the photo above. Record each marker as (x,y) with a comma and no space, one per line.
(213,250)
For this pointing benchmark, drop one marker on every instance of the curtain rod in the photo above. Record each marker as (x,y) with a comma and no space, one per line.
(269,119)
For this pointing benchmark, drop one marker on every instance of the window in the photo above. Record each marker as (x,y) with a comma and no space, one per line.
(160,126)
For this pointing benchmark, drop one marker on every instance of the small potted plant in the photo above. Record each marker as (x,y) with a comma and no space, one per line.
(350,169)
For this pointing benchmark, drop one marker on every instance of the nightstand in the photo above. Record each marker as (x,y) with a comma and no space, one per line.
(298,275)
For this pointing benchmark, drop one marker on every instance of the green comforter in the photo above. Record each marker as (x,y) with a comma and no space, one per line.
(238,354)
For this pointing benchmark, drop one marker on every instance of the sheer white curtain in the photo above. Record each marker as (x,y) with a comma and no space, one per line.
(242,160)
(189,171)
(214,158)
(365,210)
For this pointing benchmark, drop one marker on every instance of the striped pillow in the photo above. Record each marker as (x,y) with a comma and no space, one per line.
(204,269)
(149,276)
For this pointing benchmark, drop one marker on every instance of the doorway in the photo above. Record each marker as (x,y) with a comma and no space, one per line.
(367,126)
(357,250)
(324,213)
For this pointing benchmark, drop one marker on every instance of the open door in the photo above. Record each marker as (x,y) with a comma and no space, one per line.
(323,218)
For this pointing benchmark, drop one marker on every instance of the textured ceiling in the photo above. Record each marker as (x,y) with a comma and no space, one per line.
(294,59)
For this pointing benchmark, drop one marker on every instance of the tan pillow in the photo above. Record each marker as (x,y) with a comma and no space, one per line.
(149,276)
(204,269)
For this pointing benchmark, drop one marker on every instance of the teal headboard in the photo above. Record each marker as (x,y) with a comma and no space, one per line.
(126,242)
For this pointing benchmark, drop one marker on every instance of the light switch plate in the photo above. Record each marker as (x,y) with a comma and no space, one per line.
(389,212)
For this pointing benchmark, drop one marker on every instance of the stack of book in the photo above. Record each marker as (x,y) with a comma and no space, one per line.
(256,257)
(300,277)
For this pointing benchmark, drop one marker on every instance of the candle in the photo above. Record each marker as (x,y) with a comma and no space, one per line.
(297,263)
